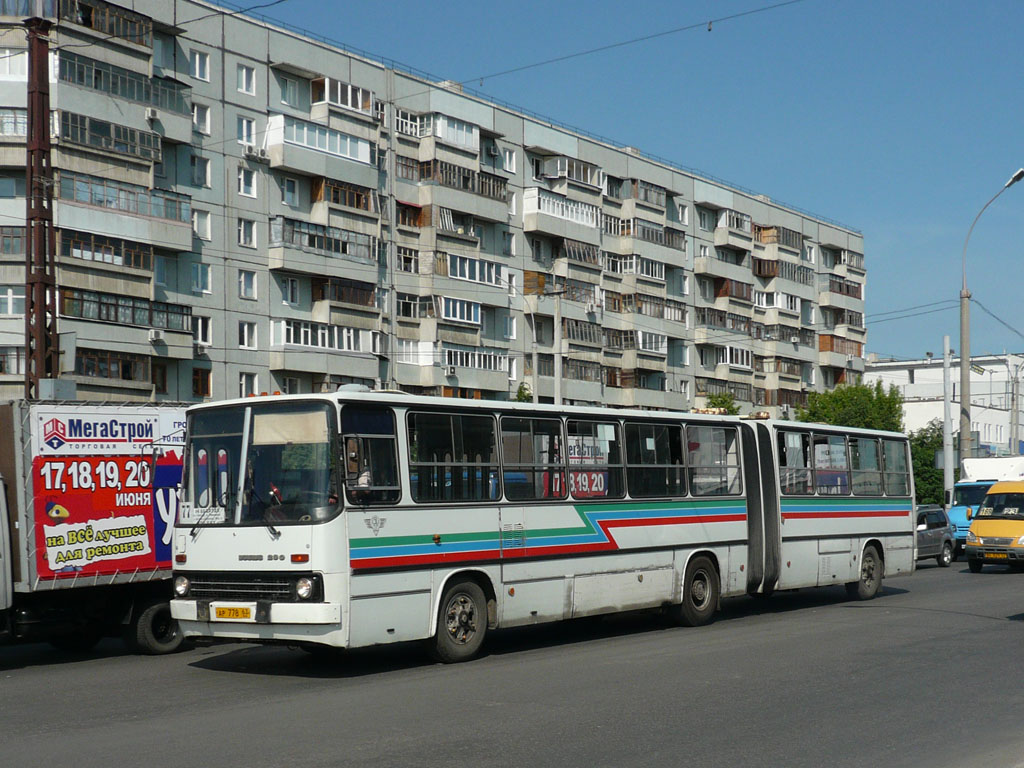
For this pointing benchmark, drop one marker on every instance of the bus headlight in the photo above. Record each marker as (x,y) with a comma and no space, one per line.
(181,586)
(971,538)
(304,588)
(1020,541)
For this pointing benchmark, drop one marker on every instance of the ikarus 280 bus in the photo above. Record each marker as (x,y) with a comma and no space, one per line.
(355,519)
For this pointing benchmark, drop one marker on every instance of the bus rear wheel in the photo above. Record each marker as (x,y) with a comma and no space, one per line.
(700,593)
(870,575)
(461,623)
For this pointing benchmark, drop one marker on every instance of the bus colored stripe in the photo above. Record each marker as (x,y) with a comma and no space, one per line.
(844,513)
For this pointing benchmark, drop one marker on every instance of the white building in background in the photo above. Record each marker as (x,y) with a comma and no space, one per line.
(992,395)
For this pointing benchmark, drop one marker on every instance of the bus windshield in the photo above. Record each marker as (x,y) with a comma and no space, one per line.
(262,464)
(1006,506)
(969,495)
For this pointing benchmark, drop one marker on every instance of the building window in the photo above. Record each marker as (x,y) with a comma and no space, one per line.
(200,171)
(683,213)
(705,220)
(246,182)
(14,63)
(291,385)
(289,191)
(160,270)
(510,327)
(407,260)
(247,233)
(508,160)
(246,130)
(199,65)
(200,382)
(246,80)
(246,284)
(103,364)
(508,245)
(160,378)
(291,290)
(246,335)
(12,360)
(201,274)
(201,224)
(247,384)
(202,330)
(201,118)
(289,92)
(12,299)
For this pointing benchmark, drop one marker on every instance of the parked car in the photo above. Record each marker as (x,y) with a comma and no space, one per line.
(935,537)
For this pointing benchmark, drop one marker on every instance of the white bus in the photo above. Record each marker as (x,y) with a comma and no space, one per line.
(354,519)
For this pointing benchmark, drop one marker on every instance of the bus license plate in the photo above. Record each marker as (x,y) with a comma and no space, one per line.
(233,612)
(995,555)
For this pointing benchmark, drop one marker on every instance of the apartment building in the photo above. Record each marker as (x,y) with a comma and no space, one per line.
(241,208)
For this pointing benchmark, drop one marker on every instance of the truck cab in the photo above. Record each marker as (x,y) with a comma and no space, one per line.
(967,497)
(996,535)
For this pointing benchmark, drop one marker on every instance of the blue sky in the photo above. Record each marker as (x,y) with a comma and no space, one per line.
(898,118)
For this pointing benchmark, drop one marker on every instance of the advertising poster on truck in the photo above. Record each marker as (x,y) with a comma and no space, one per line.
(97,506)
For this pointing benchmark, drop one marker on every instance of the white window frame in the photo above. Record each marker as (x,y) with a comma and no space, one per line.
(247,335)
(246,190)
(202,278)
(247,284)
(246,130)
(246,79)
(248,384)
(199,64)
(201,223)
(198,161)
(508,159)
(201,126)
(247,233)
(511,327)
(202,330)
(285,181)
(291,291)
(289,88)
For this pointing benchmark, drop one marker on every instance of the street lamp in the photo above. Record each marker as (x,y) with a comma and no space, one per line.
(965,334)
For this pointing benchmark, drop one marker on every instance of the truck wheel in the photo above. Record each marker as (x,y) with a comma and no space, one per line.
(974,565)
(946,556)
(461,623)
(870,575)
(153,631)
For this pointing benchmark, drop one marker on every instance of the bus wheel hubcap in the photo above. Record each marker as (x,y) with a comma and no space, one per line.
(699,590)
(460,619)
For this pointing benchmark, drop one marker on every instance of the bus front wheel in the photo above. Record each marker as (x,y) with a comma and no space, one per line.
(700,593)
(461,623)
(870,575)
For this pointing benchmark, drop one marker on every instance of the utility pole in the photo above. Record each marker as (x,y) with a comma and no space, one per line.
(947,423)
(41,340)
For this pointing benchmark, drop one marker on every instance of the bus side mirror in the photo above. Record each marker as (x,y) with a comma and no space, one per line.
(353,457)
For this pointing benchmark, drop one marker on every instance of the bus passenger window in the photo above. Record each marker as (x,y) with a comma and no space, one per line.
(371,459)
(595,460)
(654,453)
(897,477)
(714,460)
(831,468)
(453,457)
(867,474)
(533,458)
(795,463)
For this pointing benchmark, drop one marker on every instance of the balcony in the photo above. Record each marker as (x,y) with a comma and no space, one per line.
(154,216)
(315,150)
(109,138)
(555,215)
(105,318)
(329,193)
(725,263)
(340,301)
(837,352)
(458,187)
(734,230)
(314,249)
(840,293)
(780,237)
(105,20)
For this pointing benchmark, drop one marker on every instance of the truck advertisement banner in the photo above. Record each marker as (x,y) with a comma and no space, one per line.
(98,508)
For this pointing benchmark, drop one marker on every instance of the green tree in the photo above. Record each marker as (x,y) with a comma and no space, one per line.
(723,400)
(856,405)
(523,394)
(928,479)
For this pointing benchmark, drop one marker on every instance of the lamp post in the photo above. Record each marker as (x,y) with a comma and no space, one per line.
(965,334)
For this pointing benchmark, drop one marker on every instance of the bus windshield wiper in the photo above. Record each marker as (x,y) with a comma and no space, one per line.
(251,488)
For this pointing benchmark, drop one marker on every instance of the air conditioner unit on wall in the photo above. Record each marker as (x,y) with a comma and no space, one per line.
(449,370)
(591,307)
(156,334)
(151,113)
(252,151)
(493,151)
(794,339)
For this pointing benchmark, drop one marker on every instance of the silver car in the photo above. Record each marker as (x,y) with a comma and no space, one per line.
(934,535)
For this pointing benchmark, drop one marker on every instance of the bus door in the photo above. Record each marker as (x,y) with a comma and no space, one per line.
(762,510)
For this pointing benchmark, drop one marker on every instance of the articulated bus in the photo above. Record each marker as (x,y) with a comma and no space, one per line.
(359,518)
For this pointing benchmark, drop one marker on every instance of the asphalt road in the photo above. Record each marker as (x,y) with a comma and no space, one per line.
(930,673)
